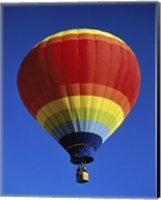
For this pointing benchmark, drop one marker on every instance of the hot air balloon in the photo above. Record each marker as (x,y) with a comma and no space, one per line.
(80,85)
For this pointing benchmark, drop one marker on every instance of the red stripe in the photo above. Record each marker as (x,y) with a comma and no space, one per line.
(76,61)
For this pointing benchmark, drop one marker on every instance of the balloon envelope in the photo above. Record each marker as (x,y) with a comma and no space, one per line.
(80,85)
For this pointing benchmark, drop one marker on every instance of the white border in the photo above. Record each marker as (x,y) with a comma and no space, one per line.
(1,79)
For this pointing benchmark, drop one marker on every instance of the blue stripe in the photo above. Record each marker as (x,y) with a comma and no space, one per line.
(81,126)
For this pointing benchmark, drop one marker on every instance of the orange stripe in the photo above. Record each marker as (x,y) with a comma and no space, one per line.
(95,90)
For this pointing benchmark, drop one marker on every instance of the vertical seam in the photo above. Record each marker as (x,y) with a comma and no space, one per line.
(50,84)
(94,75)
(102,104)
(65,84)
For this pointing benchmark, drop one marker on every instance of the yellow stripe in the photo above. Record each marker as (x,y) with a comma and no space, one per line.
(74,102)
(80,31)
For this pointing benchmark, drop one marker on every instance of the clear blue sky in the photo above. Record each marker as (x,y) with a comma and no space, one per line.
(35,164)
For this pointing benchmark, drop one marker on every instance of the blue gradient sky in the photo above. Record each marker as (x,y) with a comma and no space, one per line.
(35,164)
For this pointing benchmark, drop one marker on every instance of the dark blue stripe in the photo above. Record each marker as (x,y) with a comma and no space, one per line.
(81,146)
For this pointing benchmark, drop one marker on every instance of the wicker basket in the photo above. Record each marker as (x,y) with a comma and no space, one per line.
(82,177)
